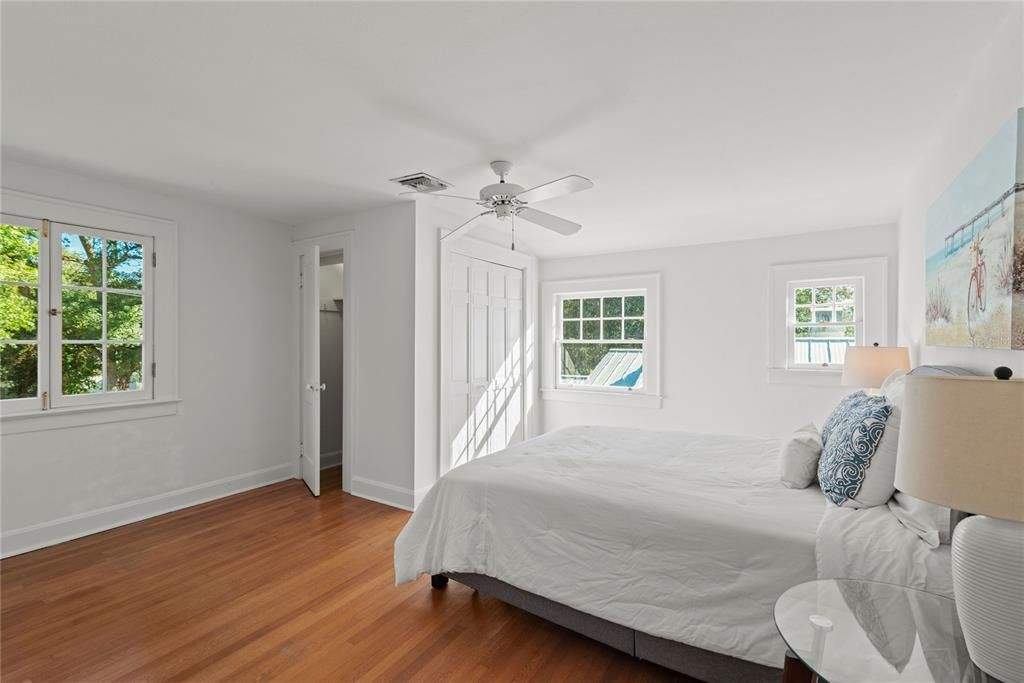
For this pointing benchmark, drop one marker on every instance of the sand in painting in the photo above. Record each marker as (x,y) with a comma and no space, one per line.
(948,282)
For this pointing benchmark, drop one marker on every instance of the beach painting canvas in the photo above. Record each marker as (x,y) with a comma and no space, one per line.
(974,243)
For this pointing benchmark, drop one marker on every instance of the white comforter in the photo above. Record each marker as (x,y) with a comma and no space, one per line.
(684,536)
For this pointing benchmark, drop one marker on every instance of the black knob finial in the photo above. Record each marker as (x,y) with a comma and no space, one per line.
(1003,372)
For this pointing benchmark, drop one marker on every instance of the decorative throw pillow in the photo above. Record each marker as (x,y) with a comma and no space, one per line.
(856,427)
(798,458)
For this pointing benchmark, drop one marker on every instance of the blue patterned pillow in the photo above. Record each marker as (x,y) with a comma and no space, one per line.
(853,431)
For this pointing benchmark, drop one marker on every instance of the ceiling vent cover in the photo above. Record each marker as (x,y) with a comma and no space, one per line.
(422,182)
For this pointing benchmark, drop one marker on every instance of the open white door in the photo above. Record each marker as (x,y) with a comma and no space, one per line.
(310,389)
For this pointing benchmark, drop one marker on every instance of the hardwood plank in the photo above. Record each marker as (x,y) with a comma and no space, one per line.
(271,584)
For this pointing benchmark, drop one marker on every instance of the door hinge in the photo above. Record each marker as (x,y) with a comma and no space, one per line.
(46,400)
(153,369)
(46,227)
(154,259)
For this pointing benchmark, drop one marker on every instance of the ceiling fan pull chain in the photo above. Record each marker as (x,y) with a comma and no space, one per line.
(513,219)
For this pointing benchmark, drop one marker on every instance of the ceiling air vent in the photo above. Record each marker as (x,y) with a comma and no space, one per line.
(422,182)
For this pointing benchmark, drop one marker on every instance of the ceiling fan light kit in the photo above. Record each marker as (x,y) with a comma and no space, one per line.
(507,200)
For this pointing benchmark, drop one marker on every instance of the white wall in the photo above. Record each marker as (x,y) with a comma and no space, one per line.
(986,101)
(234,426)
(332,292)
(332,284)
(714,333)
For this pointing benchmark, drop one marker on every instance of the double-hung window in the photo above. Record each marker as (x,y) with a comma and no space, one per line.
(818,310)
(604,338)
(76,315)
(825,317)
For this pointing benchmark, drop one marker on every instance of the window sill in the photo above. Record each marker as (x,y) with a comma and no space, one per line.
(828,378)
(624,398)
(62,418)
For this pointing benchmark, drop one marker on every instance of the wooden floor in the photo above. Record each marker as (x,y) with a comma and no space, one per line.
(272,584)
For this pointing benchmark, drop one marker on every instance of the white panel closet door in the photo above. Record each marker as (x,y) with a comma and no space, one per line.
(484,383)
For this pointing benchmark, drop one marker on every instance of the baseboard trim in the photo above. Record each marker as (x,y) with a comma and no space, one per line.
(382,492)
(330,459)
(36,536)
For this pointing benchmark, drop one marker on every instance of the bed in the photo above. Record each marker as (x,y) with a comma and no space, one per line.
(672,547)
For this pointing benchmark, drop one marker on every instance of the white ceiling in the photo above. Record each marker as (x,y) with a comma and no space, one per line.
(697,122)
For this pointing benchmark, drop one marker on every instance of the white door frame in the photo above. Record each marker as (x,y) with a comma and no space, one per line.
(478,249)
(340,241)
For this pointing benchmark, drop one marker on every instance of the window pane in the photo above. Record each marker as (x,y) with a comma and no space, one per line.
(613,329)
(845,314)
(81,260)
(634,306)
(124,316)
(803,295)
(82,314)
(591,329)
(822,295)
(634,329)
(19,253)
(18,312)
(19,370)
(124,264)
(605,365)
(823,315)
(802,332)
(613,306)
(81,369)
(570,308)
(803,314)
(124,367)
(571,329)
(844,293)
(591,308)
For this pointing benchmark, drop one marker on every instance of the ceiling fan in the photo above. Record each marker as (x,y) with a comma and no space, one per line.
(508,201)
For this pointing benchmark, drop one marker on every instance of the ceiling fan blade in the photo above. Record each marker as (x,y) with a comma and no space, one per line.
(464,228)
(556,188)
(435,194)
(546,220)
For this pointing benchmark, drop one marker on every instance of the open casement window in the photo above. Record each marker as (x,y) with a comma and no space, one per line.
(76,315)
(601,345)
(824,318)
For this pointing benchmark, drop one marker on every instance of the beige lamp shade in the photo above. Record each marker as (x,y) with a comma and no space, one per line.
(962,444)
(868,366)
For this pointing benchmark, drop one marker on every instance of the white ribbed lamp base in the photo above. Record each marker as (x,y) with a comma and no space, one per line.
(988,582)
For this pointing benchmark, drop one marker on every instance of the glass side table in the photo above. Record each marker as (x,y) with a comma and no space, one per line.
(847,631)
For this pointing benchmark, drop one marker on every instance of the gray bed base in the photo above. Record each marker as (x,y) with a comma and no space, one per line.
(703,665)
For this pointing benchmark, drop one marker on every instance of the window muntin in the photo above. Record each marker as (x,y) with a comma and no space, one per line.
(824,318)
(89,341)
(601,343)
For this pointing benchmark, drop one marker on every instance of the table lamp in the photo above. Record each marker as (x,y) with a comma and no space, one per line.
(962,445)
(868,366)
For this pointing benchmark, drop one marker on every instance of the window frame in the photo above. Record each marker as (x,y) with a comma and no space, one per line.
(554,292)
(160,333)
(871,275)
(792,323)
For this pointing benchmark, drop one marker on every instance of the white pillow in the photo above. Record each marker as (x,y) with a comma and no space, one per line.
(798,458)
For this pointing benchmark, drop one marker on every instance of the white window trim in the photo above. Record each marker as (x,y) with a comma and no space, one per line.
(649,396)
(163,323)
(872,276)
